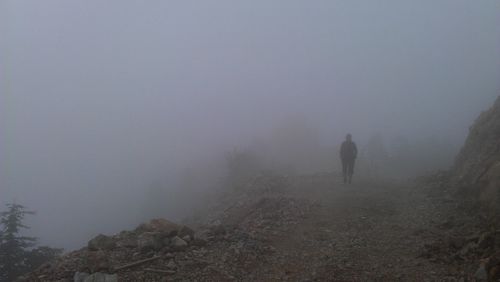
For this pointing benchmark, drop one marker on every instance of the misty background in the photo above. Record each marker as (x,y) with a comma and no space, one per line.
(112,112)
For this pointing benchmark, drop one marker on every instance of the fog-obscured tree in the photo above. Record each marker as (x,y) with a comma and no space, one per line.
(13,246)
(40,255)
(17,255)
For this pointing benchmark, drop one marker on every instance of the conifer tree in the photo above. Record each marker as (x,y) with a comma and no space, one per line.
(13,246)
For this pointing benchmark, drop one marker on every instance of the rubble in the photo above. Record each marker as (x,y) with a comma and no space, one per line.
(151,241)
(231,243)
(101,277)
(108,258)
(101,242)
(160,225)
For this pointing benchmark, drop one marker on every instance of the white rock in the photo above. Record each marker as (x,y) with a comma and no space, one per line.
(178,243)
(80,276)
(186,238)
(101,277)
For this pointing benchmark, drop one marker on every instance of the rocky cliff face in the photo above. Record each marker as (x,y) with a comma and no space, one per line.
(477,167)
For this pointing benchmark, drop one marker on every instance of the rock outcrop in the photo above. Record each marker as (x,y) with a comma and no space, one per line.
(475,180)
(477,167)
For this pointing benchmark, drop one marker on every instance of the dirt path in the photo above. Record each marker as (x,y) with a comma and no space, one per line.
(359,232)
(307,228)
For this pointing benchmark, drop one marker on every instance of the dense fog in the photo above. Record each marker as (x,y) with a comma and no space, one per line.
(113,112)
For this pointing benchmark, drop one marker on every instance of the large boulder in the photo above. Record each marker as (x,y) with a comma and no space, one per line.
(127,239)
(186,231)
(101,242)
(148,241)
(101,277)
(80,276)
(178,244)
(160,225)
(96,261)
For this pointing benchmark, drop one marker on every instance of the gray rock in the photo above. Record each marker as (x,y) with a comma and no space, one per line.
(217,230)
(171,264)
(150,241)
(160,225)
(96,261)
(186,231)
(127,239)
(206,235)
(101,242)
(199,242)
(481,273)
(187,238)
(101,277)
(80,276)
(178,244)
(127,243)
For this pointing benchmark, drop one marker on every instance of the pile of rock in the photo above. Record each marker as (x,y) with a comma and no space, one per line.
(108,257)
(232,242)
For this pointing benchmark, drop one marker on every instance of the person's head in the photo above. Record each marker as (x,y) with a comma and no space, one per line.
(348,137)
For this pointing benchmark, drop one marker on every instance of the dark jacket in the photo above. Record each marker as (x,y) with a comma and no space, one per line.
(348,150)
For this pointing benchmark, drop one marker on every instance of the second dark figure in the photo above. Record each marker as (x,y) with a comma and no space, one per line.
(348,154)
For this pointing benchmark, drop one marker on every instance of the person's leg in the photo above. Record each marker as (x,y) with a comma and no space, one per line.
(351,169)
(344,170)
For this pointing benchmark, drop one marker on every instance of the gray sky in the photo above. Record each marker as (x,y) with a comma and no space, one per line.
(98,97)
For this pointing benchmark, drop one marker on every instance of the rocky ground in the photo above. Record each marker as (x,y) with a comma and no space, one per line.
(307,228)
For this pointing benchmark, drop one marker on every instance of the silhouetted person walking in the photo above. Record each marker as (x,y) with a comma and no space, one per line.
(348,154)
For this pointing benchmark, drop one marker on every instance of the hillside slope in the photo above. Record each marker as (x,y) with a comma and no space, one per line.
(313,228)
(309,228)
(477,167)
